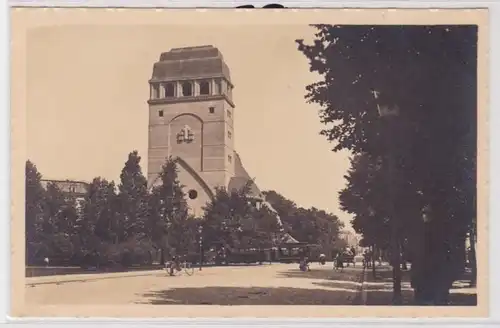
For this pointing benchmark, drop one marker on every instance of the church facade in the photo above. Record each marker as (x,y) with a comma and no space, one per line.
(191,116)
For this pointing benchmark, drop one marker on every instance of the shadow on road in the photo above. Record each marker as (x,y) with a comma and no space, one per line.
(250,296)
(380,290)
(348,274)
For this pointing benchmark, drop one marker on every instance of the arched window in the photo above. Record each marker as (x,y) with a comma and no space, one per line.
(204,88)
(169,90)
(187,89)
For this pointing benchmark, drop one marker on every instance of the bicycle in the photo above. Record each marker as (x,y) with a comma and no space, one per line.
(338,266)
(174,269)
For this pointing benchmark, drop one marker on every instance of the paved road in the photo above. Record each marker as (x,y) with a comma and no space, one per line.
(275,284)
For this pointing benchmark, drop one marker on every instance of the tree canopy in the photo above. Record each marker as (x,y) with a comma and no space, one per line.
(429,74)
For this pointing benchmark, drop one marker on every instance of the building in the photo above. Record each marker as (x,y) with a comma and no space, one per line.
(351,239)
(70,188)
(191,115)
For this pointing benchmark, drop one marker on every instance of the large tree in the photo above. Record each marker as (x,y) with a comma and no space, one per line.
(228,218)
(429,74)
(100,219)
(169,225)
(133,198)
(307,225)
(34,207)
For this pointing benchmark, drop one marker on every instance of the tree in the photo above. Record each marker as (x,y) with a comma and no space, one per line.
(228,218)
(237,220)
(34,203)
(169,224)
(100,220)
(416,69)
(133,198)
(307,225)
(58,229)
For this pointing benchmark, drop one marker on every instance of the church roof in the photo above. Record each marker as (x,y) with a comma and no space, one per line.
(190,62)
(241,178)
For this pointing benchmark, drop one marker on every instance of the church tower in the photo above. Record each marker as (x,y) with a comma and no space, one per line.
(191,114)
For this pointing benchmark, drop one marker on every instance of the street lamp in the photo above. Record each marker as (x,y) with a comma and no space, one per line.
(389,112)
(200,242)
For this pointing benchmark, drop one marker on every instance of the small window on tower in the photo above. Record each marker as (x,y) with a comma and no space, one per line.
(204,88)
(229,114)
(229,158)
(229,134)
(160,113)
(211,110)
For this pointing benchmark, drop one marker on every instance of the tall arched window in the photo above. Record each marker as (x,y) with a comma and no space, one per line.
(187,89)
(204,88)
(169,90)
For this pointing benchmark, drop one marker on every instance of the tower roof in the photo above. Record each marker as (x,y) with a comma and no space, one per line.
(190,62)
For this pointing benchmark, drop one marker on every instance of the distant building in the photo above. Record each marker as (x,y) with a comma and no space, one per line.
(351,239)
(70,188)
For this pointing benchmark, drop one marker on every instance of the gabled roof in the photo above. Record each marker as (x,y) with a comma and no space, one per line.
(241,178)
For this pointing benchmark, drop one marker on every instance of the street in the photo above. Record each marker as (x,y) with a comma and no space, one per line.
(268,284)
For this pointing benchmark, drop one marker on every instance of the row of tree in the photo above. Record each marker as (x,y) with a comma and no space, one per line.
(403,100)
(309,225)
(127,223)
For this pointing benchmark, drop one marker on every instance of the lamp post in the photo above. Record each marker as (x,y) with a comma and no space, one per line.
(388,113)
(200,242)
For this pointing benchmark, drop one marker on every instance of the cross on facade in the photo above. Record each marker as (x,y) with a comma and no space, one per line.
(185,135)
(185,132)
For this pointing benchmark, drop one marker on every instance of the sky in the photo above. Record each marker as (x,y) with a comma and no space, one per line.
(87,105)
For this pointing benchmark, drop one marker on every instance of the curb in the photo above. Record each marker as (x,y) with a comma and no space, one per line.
(88,277)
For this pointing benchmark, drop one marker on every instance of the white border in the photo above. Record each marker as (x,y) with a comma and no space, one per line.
(494,224)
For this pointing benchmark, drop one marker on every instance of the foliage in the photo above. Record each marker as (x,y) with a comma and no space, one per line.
(169,224)
(100,215)
(428,156)
(312,225)
(133,197)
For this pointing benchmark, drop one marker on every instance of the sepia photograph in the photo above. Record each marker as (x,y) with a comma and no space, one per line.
(167,160)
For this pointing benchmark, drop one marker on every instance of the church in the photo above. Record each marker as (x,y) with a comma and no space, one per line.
(191,116)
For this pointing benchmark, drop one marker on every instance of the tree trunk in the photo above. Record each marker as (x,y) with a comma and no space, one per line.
(162,256)
(396,272)
(472,259)
(403,256)
(373,262)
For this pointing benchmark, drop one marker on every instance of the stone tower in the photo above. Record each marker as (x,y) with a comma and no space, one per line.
(191,114)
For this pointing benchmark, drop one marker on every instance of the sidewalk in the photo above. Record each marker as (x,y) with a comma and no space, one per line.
(379,291)
(58,279)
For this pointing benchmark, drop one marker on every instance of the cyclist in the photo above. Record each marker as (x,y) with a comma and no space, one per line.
(175,264)
(339,261)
